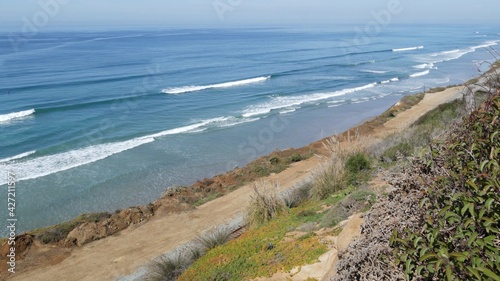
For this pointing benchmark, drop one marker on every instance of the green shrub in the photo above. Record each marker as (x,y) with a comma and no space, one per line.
(363,196)
(306,213)
(460,236)
(296,158)
(274,160)
(357,169)
(442,115)
(390,154)
(437,89)
(209,198)
(261,171)
(357,163)
(335,215)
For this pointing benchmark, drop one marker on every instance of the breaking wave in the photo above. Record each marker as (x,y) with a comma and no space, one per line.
(187,89)
(16,115)
(408,49)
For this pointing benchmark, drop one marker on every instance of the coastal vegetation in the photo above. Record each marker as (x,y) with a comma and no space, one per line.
(440,222)
(458,238)
(436,217)
(446,210)
(174,199)
(286,230)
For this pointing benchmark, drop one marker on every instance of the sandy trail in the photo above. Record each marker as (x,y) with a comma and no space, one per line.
(429,102)
(123,254)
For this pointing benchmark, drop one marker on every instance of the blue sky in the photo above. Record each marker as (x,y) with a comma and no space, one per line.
(169,13)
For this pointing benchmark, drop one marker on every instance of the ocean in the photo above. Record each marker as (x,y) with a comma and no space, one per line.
(101,120)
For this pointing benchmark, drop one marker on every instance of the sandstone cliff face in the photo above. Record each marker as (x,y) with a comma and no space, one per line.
(91,231)
(23,243)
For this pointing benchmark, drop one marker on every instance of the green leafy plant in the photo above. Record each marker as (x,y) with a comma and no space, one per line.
(295,158)
(404,148)
(460,234)
(357,163)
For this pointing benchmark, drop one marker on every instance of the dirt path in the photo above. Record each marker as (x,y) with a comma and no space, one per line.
(408,117)
(123,254)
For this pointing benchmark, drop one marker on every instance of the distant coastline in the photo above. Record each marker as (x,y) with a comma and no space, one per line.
(116,129)
(177,204)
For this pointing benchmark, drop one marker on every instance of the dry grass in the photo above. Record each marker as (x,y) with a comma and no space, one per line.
(171,265)
(328,179)
(331,176)
(297,195)
(168,268)
(215,237)
(265,204)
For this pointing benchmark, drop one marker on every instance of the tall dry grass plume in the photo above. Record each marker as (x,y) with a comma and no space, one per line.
(331,176)
(265,203)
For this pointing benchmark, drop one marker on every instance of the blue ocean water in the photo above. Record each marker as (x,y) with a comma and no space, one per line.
(101,120)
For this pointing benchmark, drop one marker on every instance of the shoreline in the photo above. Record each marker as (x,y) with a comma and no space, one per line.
(179,215)
(188,221)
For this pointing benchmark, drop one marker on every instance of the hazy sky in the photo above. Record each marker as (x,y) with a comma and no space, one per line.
(54,13)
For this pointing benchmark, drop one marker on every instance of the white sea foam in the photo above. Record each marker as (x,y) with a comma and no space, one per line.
(185,129)
(22,155)
(16,115)
(390,80)
(203,125)
(356,101)
(452,55)
(424,66)
(233,121)
(50,164)
(418,74)
(293,101)
(457,53)
(408,49)
(451,52)
(442,81)
(336,101)
(375,71)
(288,110)
(187,89)
(486,45)
(326,77)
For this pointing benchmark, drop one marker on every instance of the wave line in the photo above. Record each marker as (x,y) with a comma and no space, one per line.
(418,74)
(16,115)
(55,163)
(292,101)
(408,49)
(187,89)
(19,156)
